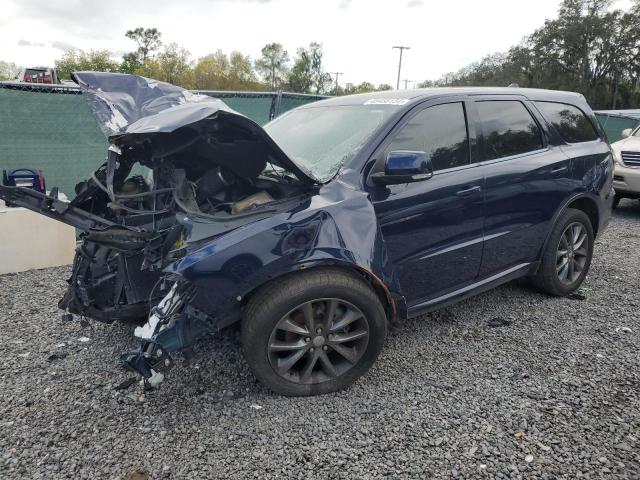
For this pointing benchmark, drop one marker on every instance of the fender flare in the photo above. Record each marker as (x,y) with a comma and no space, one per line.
(393,302)
(559,212)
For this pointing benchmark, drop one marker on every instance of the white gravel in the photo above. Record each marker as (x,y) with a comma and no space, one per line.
(510,384)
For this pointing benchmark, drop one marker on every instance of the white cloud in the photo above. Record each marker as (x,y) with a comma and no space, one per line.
(27,43)
(415,3)
(64,46)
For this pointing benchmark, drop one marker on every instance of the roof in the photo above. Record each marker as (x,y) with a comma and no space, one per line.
(416,94)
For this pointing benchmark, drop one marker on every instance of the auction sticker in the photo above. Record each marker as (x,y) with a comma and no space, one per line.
(387,101)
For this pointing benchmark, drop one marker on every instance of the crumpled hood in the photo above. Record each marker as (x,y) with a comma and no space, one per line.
(129,108)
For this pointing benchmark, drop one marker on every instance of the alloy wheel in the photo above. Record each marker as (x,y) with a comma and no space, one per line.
(318,340)
(572,253)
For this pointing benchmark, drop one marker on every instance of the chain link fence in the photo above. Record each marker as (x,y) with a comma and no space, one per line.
(50,127)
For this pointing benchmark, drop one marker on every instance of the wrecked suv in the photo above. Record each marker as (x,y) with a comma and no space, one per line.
(334,220)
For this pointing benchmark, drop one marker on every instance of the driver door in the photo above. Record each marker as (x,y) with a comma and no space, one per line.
(433,228)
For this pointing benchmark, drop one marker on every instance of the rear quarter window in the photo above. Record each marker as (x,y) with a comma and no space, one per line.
(570,122)
(508,128)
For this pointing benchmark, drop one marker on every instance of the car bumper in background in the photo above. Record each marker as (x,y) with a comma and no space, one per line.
(626,180)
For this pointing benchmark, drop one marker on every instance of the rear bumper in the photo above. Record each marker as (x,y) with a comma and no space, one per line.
(626,180)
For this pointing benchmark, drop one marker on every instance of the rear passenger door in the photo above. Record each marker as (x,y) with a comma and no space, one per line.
(526,180)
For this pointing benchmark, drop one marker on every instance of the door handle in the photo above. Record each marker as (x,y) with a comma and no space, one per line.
(465,192)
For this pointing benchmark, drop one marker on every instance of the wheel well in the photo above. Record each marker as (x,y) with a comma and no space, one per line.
(589,207)
(374,282)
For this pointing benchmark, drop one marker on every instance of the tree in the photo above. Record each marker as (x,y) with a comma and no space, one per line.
(240,70)
(273,64)
(307,74)
(79,60)
(300,79)
(210,72)
(363,87)
(383,87)
(9,70)
(172,65)
(590,48)
(148,41)
(319,78)
(216,71)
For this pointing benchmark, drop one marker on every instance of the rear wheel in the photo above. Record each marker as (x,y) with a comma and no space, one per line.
(313,332)
(567,256)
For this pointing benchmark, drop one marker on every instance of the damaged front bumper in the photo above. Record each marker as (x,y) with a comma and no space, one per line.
(173,325)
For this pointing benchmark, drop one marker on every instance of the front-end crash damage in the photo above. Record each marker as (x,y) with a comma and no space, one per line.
(194,209)
(335,227)
(171,153)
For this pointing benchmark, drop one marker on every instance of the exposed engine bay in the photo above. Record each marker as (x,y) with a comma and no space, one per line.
(180,169)
(180,182)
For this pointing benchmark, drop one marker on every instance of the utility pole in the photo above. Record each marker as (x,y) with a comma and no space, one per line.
(401,48)
(407,81)
(337,74)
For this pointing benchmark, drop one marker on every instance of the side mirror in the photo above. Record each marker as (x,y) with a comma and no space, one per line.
(404,166)
(626,132)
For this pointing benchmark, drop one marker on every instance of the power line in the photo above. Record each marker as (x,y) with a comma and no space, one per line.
(401,48)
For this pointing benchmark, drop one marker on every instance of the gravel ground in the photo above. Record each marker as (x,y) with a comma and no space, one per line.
(511,384)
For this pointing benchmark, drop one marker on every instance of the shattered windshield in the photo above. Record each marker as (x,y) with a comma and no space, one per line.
(322,139)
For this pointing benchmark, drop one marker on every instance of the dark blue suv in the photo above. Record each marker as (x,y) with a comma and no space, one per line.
(334,220)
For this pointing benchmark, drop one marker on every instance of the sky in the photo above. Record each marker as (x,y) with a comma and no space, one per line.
(357,35)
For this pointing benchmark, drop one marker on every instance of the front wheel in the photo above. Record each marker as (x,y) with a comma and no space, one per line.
(313,332)
(567,256)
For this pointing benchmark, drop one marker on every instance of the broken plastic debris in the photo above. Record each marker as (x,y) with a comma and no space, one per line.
(56,356)
(623,329)
(155,379)
(255,406)
(125,384)
(147,330)
(84,339)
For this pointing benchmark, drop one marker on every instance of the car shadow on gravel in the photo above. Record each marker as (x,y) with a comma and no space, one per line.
(219,371)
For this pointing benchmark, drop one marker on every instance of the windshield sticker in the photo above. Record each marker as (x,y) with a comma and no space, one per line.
(387,101)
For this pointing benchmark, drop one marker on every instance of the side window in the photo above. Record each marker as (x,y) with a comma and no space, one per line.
(570,122)
(440,131)
(508,128)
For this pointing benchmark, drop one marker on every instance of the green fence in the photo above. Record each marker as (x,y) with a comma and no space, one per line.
(51,128)
(613,122)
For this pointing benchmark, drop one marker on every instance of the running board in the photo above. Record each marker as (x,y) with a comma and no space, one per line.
(471,290)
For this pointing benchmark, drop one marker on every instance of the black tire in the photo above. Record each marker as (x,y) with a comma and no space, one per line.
(286,298)
(548,277)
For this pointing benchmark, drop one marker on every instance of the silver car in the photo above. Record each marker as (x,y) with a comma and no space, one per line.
(626,179)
